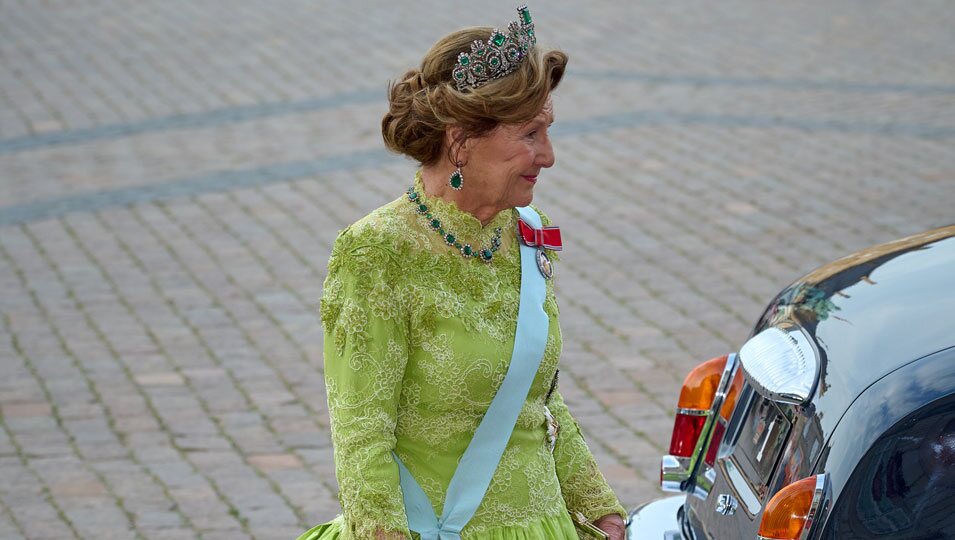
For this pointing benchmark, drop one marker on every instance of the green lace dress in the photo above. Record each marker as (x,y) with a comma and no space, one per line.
(417,340)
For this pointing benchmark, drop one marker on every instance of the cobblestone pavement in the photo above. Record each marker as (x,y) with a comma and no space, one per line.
(173,174)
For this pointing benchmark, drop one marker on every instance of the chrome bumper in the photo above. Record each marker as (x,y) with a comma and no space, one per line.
(656,520)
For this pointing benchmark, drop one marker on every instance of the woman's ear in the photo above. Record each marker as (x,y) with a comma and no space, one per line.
(456,141)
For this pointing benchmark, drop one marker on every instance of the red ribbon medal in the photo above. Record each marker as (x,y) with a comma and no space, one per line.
(543,238)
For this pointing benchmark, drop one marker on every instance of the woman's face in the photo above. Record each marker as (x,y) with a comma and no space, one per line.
(503,165)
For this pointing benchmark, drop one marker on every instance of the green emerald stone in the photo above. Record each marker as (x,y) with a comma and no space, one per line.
(467,250)
(413,196)
(457,245)
(494,61)
(526,16)
(464,60)
(456,180)
(436,224)
(486,254)
(498,39)
(449,238)
(422,208)
(441,231)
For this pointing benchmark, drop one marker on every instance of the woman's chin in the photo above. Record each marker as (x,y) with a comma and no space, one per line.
(524,198)
(523,203)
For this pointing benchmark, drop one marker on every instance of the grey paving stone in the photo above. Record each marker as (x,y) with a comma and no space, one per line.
(172,178)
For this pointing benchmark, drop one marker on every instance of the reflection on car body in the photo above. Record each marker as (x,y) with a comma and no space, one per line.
(835,420)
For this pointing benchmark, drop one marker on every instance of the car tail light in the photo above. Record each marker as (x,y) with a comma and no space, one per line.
(781,363)
(698,409)
(696,398)
(792,511)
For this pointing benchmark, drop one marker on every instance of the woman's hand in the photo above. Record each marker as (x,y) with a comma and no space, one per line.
(613,525)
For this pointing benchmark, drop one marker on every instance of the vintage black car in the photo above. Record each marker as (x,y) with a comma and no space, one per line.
(835,420)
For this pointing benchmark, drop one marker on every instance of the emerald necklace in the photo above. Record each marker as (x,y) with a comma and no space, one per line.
(486,253)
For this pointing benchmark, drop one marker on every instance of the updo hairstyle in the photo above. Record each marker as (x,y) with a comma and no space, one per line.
(425,102)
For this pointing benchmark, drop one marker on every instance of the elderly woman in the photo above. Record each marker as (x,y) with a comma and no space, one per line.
(438,303)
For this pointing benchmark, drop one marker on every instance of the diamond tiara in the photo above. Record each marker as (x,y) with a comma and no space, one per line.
(500,55)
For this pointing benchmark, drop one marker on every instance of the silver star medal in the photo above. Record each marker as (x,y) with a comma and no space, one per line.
(544,264)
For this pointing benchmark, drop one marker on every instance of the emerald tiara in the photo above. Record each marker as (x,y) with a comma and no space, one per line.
(500,55)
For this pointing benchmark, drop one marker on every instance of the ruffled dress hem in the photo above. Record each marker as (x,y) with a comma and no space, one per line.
(558,527)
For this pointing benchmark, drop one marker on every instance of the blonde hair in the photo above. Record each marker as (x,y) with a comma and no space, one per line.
(425,102)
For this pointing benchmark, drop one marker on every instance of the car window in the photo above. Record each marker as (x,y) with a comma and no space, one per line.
(904,487)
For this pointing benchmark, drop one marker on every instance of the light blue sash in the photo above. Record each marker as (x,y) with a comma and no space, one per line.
(478,463)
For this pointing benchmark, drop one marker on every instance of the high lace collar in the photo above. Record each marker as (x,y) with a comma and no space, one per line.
(463,224)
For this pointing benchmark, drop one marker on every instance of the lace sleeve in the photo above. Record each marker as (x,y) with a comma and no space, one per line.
(365,356)
(583,486)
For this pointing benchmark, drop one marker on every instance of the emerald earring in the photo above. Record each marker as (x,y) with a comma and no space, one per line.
(456,180)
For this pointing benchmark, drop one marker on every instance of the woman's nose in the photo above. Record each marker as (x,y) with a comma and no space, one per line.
(545,157)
